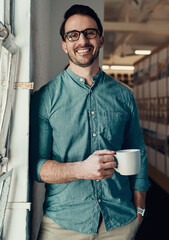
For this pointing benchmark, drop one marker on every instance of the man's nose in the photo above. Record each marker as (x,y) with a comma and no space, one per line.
(82,38)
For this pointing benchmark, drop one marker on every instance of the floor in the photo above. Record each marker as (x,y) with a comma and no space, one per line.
(156,222)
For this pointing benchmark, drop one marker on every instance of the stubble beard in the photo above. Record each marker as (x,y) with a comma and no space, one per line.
(73,59)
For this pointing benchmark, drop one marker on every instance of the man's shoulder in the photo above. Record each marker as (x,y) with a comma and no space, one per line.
(51,86)
(55,81)
(120,86)
(48,92)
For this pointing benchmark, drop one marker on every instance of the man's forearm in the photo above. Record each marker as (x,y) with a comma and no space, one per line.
(139,199)
(56,172)
(99,165)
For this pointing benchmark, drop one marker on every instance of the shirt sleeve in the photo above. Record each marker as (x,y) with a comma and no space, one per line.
(133,139)
(40,135)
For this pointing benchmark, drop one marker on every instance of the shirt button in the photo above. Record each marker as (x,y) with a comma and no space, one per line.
(94,134)
(97,180)
(99,200)
(92,112)
(81,79)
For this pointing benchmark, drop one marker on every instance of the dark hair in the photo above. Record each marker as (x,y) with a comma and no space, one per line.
(82,10)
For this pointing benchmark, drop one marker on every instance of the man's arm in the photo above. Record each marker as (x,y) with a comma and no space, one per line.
(99,165)
(139,201)
(134,139)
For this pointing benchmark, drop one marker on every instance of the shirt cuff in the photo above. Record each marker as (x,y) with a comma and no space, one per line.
(36,170)
(140,185)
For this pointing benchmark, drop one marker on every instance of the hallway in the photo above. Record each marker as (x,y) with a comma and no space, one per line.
(156,224)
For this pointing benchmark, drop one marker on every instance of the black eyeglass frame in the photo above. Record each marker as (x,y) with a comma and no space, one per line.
(95,29)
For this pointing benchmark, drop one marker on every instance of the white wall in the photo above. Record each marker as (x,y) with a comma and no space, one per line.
(41,61)
(49,60)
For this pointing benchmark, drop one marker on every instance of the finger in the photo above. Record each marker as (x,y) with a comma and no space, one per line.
(108,173)
(108,158)
(109,165)
(104,152)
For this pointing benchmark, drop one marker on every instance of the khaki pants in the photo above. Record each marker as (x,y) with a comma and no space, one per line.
(51,231)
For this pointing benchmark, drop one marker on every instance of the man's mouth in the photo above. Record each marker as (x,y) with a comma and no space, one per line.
(83,49)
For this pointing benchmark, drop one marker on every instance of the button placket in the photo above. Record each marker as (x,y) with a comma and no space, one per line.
(94,140)
(93,121)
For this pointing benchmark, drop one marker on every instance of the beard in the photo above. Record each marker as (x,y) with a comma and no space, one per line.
(83,63)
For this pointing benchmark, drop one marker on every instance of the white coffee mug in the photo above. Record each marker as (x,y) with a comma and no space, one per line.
(128,161)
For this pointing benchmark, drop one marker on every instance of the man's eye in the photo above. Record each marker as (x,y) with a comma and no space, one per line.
(90,33)
(73,35)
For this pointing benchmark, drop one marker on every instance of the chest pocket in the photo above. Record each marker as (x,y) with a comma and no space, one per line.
(114,127)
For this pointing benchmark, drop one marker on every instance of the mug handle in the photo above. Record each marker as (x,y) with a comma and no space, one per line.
(115,159)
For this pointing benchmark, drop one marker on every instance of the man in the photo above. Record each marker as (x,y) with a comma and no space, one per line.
(78,121)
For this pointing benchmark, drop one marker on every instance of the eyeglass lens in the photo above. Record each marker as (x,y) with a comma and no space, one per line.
(88,33)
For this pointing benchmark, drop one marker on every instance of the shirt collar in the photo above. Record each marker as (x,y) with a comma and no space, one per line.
(81,80)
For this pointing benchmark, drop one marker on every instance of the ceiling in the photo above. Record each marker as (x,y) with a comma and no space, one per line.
(131,25)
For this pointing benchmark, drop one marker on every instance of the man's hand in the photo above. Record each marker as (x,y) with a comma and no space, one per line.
(140,218)
(99,165)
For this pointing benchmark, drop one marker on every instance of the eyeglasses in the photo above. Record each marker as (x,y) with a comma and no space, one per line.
(89,33)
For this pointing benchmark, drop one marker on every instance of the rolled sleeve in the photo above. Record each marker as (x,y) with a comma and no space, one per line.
(134,140)
(40,135)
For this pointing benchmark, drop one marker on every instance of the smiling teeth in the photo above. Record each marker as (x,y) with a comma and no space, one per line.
(81,51)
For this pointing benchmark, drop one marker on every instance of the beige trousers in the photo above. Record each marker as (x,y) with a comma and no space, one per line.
(51,231)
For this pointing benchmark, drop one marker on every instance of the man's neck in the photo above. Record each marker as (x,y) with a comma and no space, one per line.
(85,72)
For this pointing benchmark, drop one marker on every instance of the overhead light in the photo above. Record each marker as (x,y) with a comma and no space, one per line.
(105,67)
(142,52)
(118,67)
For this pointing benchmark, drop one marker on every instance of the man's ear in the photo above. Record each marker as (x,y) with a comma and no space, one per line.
(64,47)
(101,41)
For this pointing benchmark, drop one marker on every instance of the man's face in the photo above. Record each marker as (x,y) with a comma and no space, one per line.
(83,52)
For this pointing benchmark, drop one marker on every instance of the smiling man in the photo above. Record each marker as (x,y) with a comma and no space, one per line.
(78,121)
(81,49)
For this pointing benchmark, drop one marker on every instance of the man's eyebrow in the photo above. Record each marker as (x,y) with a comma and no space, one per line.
(81,30)
(72,31)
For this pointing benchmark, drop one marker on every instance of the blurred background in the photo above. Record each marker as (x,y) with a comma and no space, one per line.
(136,53)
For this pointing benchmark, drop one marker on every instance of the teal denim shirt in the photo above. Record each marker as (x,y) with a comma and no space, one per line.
(69,121)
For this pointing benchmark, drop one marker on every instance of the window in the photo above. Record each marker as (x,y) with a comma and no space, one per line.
(8,66)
